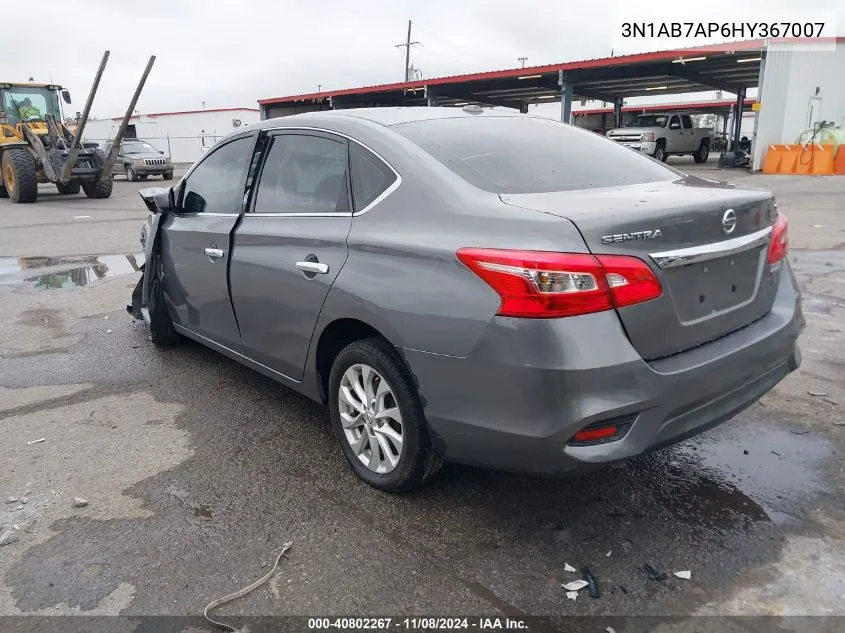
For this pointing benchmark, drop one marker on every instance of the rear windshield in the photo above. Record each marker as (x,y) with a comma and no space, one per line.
(530,155)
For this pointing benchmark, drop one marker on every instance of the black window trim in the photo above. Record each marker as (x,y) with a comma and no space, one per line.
(247,135)
(384,194)
(334,136)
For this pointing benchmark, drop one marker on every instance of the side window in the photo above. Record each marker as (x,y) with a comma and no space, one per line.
(370,176)
(215,186)
(303,174)
(675,123)
(687,121)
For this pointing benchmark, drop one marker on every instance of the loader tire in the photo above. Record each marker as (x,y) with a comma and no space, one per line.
(102,187)
(20,175)
(71,188)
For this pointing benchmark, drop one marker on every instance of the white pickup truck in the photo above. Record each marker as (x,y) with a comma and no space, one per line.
(660,135)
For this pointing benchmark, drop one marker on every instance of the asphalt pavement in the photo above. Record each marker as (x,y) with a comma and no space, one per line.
(196,470)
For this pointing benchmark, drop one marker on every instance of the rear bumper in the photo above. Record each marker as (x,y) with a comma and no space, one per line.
(516,401)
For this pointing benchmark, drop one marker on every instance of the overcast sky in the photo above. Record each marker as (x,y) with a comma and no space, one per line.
(233,53)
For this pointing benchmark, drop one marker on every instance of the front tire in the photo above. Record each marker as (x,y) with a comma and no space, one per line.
(162,332)
(702,153)
(131,176)
(660,152)
(167,176)
(378,419)
(20,175)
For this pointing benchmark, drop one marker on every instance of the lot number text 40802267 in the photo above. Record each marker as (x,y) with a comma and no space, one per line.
(417,624)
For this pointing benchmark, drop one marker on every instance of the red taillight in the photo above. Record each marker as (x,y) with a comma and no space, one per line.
(539,284)
(780,240)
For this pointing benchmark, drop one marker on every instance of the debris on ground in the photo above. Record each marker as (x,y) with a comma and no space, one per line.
(654,575)
(19,507)
(15,500)
(24,500)
(609,553)
(831,401)
(8,537)
(623,589)
(242,592)
(569,568)
(839,423)
(108,331)
(627,544)
(38,441)
(575,585)
(609,629)
(745,451)
(572,595)
(686,575)
(802,432)
(592,582)
(79,502)
(818,394)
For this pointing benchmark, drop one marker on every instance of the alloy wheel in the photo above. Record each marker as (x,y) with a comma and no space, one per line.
(370,416)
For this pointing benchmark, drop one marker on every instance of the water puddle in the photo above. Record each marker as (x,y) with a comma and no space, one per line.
(52,273)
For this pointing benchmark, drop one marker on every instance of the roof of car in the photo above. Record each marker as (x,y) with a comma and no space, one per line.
(388,116)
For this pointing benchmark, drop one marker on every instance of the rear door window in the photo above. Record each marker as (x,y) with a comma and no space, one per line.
(304,174)
(530,154)
(371,176)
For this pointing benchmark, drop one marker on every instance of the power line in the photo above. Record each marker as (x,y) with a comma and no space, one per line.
(407,46)
(522,60)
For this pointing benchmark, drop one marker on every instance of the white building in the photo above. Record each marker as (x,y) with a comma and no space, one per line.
(180,135)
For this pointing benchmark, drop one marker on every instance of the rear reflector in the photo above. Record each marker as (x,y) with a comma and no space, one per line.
(541,284)
(779,245)
(602,432)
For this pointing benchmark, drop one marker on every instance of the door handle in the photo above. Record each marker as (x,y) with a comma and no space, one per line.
(313,267)
(214,253)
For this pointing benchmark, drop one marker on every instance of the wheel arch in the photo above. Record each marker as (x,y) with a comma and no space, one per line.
(336,335)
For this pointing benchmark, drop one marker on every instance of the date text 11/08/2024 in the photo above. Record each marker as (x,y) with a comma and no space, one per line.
(417,624)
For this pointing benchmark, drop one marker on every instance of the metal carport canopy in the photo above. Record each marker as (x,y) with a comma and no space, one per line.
(729,67)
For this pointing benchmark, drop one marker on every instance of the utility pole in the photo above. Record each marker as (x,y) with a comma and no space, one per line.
(523,60)
(407,46)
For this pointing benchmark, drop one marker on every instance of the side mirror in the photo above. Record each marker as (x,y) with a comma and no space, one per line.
(159,199)
(66,95)
(160,152)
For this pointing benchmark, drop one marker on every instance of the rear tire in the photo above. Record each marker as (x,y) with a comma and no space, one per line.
(702,153)
(71,189)
(162,332)
(20,175)
(417,460)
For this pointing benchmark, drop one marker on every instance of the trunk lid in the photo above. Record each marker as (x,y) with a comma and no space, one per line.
(711,262)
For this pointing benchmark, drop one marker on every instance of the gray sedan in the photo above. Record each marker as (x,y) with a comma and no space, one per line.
(474,286)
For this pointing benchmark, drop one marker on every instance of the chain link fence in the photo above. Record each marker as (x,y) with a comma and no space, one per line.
(180,149)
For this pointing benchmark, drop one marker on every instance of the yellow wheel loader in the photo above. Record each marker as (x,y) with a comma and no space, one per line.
(37,146)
